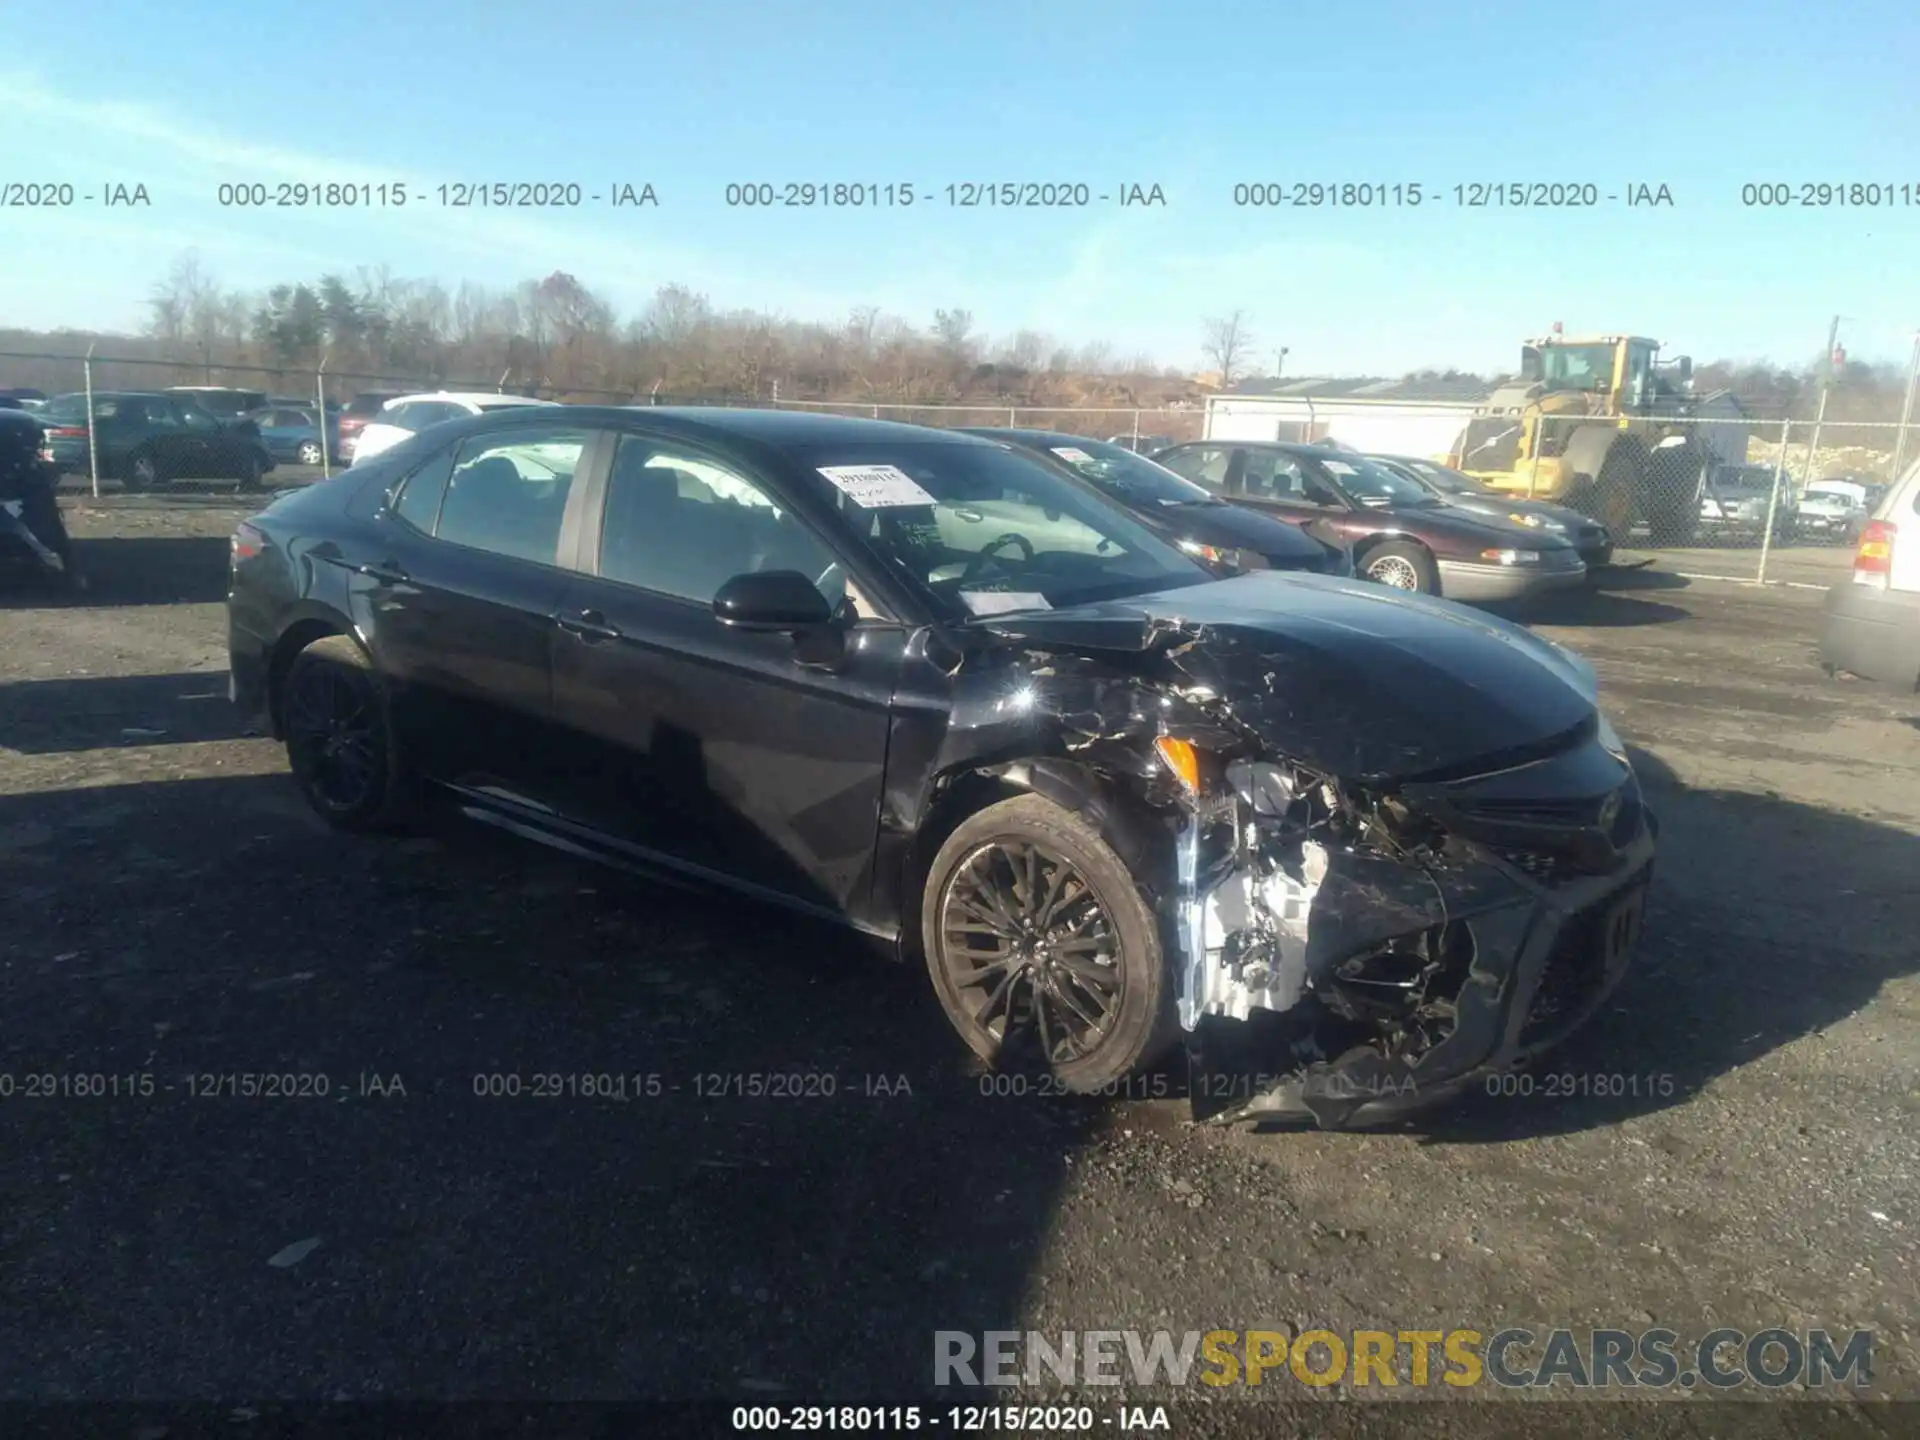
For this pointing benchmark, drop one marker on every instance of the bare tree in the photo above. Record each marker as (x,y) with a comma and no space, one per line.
(1227,345)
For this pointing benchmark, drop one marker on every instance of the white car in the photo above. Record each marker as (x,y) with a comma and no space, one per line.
(408,415)
(1833,509)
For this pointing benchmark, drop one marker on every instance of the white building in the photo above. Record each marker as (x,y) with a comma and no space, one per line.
(1404,417)
(1387,417)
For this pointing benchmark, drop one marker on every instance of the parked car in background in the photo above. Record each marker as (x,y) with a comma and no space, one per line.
(23,398)
(1401,534)
(358,412)
(293,435)
(407,415)
(1588,536)
(1832,510)
(1102,795)
(1224,537)
(149,438)
(1142,444)
(1736,500)
(1872,626)
(223,402)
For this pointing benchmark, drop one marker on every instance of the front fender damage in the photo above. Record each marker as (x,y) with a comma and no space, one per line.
(1340,955)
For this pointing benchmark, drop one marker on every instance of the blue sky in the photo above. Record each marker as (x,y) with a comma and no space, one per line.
(1193,98)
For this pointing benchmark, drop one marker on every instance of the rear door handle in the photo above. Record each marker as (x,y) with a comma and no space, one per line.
(589,625)
(385,570)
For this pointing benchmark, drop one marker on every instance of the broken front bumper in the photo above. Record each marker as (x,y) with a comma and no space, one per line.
(1514,947)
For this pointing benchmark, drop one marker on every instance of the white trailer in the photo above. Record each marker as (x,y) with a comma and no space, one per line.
(1382,427)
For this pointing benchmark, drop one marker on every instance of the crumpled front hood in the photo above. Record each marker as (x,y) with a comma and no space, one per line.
(1346,676)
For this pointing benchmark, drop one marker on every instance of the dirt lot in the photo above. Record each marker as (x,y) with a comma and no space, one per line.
(175,912)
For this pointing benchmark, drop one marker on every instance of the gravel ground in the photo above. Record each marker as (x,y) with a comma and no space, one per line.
(175,912)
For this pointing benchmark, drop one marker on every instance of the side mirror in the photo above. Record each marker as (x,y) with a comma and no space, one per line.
(772,600)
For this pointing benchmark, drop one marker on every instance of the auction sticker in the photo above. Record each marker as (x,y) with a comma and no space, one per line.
(1073,456)
(876,486)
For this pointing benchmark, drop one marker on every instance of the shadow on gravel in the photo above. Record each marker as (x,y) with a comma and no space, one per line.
(1598,609)
(152,570)
(54,717)
(1769,921)
(802,1183)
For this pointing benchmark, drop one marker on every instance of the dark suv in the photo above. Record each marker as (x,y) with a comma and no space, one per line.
(149,438)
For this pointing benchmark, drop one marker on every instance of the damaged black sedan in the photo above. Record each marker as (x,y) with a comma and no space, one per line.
(1359,848)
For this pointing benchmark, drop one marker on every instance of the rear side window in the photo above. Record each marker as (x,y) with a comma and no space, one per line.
(508,494)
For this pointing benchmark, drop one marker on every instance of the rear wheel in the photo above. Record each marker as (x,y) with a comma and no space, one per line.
(1401,566)
(309,453)
(143,473)
(1615,488)
(1676,488)
(1040,946)
(340,738)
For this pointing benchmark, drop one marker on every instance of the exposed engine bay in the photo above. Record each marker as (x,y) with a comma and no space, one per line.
(1370,907)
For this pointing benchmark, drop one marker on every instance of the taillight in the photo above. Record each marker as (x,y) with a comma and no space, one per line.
(67,432)
(1873,561)
(247,543)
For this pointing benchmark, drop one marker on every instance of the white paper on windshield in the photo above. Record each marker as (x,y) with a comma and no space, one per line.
(999,602)
(875,487)
(1339,467)
(1073,456)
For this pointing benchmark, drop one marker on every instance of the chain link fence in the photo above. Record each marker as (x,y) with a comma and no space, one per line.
(1726,497)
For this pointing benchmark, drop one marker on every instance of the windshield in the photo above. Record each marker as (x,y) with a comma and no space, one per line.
(1365,483)
(1452,482)
(68,407)
(983,530)
(1128,476)
(1577,367)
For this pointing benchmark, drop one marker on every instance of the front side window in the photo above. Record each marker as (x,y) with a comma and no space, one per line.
(1577,367)
(980,529)
(1272,475)
(682,525)
(194,418)
(508,494)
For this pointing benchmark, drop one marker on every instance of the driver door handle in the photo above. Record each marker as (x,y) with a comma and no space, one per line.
(590,625)
(388,571)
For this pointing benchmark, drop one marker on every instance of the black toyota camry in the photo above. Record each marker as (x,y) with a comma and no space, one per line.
(955,699)
(1226,538)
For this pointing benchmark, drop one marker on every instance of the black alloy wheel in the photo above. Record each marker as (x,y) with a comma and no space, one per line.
(339,739)
(1041,947)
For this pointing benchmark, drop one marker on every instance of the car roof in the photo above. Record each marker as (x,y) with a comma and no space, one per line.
(773,428)
(221,389)
(1032,437)
(472,397)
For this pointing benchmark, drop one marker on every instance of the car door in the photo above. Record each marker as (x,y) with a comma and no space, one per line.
(459,593)
(153,423)
(733,754)
(212,450)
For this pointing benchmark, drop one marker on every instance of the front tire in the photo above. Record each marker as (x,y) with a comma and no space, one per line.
(1401,566)
(309,452)
(1038,942)
(340,739)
